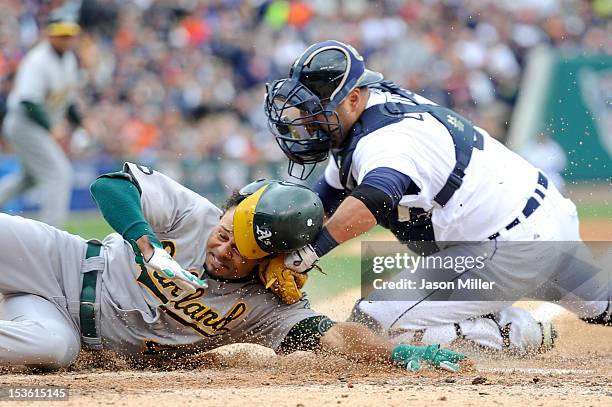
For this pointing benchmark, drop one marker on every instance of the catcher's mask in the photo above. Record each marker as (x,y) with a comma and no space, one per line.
(276,217)
(301,109)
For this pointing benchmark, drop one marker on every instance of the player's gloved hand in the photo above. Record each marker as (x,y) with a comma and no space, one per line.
(411,357)
(282,281)
(162,262)
(302,260)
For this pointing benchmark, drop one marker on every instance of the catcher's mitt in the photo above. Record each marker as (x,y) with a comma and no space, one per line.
(282,281)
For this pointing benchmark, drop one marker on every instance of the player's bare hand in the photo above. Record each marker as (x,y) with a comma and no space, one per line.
(162,262)
(302,260)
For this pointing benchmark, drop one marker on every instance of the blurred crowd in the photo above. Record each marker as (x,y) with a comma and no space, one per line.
(168,79)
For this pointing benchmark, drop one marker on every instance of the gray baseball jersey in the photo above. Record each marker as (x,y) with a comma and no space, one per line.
(46,78)
(142,312)
(49,80)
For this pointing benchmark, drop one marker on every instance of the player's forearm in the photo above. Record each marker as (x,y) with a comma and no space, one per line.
(119,202)
(351,219)
(356,342)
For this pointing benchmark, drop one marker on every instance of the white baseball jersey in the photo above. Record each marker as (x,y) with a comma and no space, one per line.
(46,78)
(495,188)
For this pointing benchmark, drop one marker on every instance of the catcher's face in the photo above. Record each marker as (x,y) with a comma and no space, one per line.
(222,257)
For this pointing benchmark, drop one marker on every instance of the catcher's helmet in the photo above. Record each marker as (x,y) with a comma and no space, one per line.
(301,108)
(276,217)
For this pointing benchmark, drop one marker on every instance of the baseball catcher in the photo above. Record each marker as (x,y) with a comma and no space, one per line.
(431,176)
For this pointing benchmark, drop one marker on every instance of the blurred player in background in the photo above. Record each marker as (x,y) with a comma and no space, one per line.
(42,95)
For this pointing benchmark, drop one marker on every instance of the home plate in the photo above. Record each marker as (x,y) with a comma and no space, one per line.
(554,372)
(547,312)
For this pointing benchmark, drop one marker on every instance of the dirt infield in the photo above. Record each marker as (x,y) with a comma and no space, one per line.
(577,372)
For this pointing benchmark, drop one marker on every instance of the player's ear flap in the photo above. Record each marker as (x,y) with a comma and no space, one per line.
(244,231)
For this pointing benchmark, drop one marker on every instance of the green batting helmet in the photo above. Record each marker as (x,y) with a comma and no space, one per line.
(276,217)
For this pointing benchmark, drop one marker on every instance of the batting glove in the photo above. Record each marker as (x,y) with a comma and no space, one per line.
(162,262)
(411,357)
(302,260)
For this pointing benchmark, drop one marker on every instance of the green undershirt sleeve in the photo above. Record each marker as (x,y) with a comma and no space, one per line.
(37,113)
(118,198)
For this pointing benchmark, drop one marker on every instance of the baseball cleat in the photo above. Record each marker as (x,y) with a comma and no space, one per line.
(549,334)
(604,319)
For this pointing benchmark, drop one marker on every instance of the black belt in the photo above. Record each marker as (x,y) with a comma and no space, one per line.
(87,310)
(530,207)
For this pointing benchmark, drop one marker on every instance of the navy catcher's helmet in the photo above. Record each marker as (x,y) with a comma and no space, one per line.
(301,108)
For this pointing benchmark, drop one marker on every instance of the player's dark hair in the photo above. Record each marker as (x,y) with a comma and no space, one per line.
(234,199)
